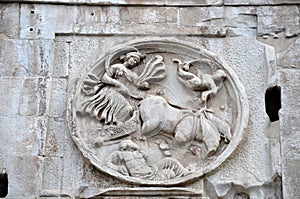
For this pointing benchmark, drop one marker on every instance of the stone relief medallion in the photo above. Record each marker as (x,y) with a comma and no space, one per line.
(158,112)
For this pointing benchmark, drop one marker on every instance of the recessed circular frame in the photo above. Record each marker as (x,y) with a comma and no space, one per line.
(158,112)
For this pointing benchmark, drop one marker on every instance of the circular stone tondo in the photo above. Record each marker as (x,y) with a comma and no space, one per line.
(159,112)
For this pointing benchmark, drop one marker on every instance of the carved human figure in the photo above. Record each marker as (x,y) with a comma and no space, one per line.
(115,71)
(107,98)
(129,160)
(205,83)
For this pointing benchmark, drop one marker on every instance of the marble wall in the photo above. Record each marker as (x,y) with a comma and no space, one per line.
(47,46)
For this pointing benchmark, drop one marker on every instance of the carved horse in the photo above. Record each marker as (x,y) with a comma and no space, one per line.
(158,116)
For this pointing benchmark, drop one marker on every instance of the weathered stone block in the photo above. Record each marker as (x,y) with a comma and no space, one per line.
(290,58)
(27,57)
(101,15)
(61,59)
(273,20)
(13,65)
(43,21)
(21,135)
(125,15)
(12,92)
(290,93)
(148,15)
(201,16)
(73,167)
(52,175)
(290,132)
(291,178)
(28,105)
(58,101)
(82,51)
(55,138)
(9,23)
(23,176)
(240,17)
(35,96)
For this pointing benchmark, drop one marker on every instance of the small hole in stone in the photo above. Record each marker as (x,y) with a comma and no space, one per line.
(32,12)
(31,29)
(92,14)
(273,102)
(3,185)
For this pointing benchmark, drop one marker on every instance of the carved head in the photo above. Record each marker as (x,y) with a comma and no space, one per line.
(132,59)
(220,74)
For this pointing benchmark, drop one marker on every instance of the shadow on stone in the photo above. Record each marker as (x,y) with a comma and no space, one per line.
(3,185)
(273,102)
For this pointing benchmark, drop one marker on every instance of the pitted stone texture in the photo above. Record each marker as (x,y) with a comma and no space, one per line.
(290,132)
(290,58)
(83,52)
(273,20)
(250,165)
(9,23)
(26,57)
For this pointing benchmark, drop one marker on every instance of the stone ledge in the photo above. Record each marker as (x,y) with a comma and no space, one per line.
(163,2)
(128,2)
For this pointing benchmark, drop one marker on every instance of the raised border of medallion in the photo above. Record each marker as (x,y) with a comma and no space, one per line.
(176,46)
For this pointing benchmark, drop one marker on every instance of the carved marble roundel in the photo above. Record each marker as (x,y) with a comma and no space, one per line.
(159,112)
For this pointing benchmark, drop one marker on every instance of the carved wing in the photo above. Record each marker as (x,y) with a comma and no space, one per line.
(154,71)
